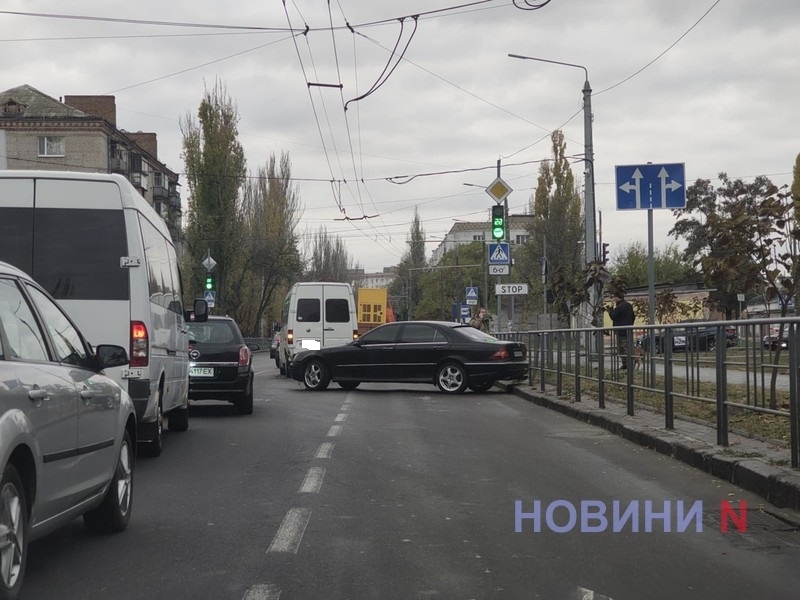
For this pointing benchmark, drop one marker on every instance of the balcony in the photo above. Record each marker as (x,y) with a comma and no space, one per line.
(141,180)
(159,192)
(117,165)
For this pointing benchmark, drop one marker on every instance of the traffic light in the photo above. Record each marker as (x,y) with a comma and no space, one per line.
(498,222)
(605,253)
(210,283)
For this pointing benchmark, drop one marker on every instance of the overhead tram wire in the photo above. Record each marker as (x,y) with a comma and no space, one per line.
(336,194)
(356,172)
(189,24)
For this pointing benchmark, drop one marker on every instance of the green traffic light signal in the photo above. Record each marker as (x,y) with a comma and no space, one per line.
(498,222)
(209,285)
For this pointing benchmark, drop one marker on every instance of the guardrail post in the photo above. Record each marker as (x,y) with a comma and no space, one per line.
(794,402)
(722,389)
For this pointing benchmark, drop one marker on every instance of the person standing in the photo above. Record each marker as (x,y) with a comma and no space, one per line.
(480,320)
(621,316)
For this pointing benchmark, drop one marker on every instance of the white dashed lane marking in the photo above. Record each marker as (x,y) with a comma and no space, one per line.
(334,431)
(313,481)
(263,591)
(340,418)
(325,450)
(291,531)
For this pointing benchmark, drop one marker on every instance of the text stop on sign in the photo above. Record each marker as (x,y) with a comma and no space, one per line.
(509,289)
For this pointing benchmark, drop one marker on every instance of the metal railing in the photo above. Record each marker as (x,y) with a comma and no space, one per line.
(710,370)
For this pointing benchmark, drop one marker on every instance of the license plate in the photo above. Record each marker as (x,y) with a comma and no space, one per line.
(518,353)
(201,372)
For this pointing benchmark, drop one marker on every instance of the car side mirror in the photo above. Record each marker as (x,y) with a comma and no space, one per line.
(109,355)
(200,312)
(254,347)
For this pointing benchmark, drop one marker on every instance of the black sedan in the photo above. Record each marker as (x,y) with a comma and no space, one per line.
(452,356)
(221,366)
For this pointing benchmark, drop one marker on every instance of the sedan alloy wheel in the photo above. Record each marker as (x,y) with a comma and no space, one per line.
(13,526)
(451,378)
(315,375)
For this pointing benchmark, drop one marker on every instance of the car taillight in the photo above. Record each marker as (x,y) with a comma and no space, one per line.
(244,356)
(139,344)
(501,354)
(290,336)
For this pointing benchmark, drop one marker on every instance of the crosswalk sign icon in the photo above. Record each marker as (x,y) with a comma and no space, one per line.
(498,254)
(472,292)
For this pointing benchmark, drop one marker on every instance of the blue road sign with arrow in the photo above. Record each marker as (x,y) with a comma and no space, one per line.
(642,187)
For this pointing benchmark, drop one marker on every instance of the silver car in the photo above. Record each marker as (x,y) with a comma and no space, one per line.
(67,430)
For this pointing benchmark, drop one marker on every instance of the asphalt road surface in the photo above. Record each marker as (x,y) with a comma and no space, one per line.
(402,492)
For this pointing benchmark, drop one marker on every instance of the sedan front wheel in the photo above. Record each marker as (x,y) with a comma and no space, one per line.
(13,532)
(315,375)
(451,378)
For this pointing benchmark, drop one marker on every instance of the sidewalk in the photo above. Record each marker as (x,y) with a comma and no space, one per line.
(758,466)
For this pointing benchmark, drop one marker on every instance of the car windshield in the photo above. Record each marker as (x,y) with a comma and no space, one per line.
(214,332)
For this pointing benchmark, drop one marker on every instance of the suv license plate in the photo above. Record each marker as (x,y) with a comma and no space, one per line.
(201,372)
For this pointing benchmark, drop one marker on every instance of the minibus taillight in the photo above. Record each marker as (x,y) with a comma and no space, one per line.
(355,334)
(290,336)
(139,344)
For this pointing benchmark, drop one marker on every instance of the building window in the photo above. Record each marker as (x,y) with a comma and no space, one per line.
(51,145)
(521,239)
(477,238)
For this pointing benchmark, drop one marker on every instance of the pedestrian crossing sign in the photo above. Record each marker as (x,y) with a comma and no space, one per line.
(499,254)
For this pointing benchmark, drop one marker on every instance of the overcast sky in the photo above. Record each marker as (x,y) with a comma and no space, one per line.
(721,95)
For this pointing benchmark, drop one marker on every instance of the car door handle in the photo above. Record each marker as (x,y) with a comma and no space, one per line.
(37,394)
(87,394)
(328,329)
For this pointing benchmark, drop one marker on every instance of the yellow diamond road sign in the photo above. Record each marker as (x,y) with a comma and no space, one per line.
(498,190)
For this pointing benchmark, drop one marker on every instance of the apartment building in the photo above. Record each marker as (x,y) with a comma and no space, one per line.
(465,232)
(79,133)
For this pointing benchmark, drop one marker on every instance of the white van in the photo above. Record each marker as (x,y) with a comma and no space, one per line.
(103,252)
(316,314)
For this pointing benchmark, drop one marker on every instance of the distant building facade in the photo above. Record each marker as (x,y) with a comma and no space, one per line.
(466,232)
(38,132)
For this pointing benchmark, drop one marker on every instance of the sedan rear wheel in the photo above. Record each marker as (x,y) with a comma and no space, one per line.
(481,386)
(451,378)
(315,375)
(13,532)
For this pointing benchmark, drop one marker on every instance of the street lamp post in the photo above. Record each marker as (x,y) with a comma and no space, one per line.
(588,152)
(590,231)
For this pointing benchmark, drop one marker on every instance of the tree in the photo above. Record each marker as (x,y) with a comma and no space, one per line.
(406,290)
(269,211)
(722,237)
(328,259)
(445,284)
(215,171)
(747,240)
(670,265)
(557,231)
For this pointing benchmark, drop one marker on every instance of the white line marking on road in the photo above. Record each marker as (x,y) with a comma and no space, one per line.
(325,450)
(291,531)
(345,407)
(262,591)
(334,431)
(313,481)
(340,418)
(586,594)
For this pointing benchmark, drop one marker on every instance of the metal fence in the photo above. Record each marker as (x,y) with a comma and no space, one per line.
(718,371)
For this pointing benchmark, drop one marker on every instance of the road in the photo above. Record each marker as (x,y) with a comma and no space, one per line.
(401,492)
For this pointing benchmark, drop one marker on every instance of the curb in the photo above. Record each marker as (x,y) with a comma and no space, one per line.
(778,485)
